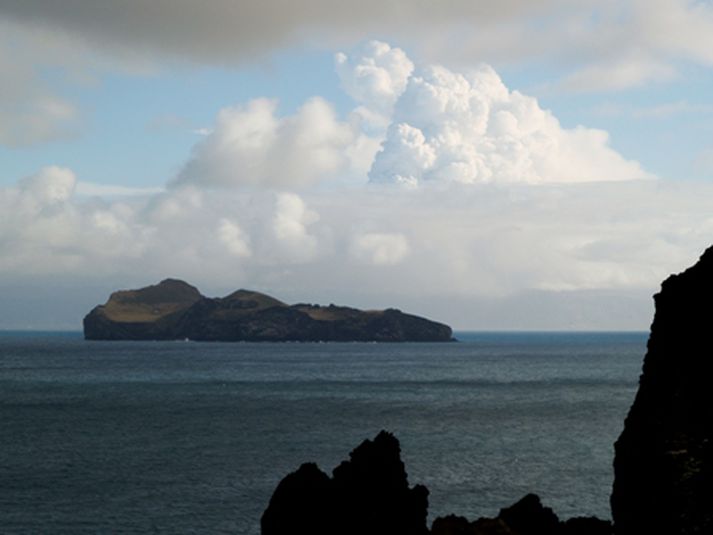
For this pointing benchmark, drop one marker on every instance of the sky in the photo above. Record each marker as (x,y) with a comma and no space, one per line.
(526,165)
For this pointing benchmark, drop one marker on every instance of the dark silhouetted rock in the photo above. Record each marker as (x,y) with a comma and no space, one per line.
(174,310)
(458,525)
(303,502)
(664,457)
(586,525)
(369,493)
(530,517)
(375,492)
(526,517)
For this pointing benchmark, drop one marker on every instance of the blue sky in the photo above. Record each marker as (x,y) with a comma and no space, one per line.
(136,129)
(456,161)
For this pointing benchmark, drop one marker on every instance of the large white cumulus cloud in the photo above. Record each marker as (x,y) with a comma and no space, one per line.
(252,145)
(413,124)
(469,128)
(375,76)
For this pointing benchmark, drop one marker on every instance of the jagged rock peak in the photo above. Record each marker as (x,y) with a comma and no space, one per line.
(369,493)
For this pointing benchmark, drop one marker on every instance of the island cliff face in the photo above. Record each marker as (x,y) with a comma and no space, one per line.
(175,310)
(664,457)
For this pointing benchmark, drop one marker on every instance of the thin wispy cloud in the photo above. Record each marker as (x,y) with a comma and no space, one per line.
(658,111)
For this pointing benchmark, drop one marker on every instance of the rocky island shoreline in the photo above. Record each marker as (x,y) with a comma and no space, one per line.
(175,310)
(663,465)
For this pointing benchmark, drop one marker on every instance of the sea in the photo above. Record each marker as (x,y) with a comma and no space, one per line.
(186,437)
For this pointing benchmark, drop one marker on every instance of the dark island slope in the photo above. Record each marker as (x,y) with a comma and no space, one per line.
(175,310)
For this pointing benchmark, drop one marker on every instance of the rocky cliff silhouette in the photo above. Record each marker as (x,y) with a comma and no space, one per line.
(663,464)
(370,494)
(664,457)
(175,310)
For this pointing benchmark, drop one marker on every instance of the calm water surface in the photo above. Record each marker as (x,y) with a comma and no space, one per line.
(185,437)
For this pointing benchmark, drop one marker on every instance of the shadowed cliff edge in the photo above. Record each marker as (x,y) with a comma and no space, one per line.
(175,310)
(663,464)
(664,457)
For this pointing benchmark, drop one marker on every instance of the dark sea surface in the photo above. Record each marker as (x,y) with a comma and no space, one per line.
(185,437)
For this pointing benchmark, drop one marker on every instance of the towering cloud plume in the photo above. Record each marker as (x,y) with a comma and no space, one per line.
(469,128)
(375,76)
(413,125)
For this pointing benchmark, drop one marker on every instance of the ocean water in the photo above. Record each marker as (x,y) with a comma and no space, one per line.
(185,437)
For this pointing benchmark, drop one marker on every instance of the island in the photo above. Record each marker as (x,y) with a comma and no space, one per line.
(175,310)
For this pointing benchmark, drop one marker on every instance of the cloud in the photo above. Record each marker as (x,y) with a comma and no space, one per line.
(469,244)
(250,145)
(434,125)
(639,42)
(224,31)
(45,229)
(469,128)
(657,111)
(50,185)
(234,238)
(621,73)
(676,27)
(601,45)
(29,112)
(290,226)
(375,76)
(380,249)
(90,189)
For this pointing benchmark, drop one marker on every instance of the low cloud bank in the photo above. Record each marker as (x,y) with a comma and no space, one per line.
(383,245)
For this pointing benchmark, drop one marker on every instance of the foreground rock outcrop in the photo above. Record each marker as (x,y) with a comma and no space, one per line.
(526,517)
(664,457)
(175,310)
(369,493)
